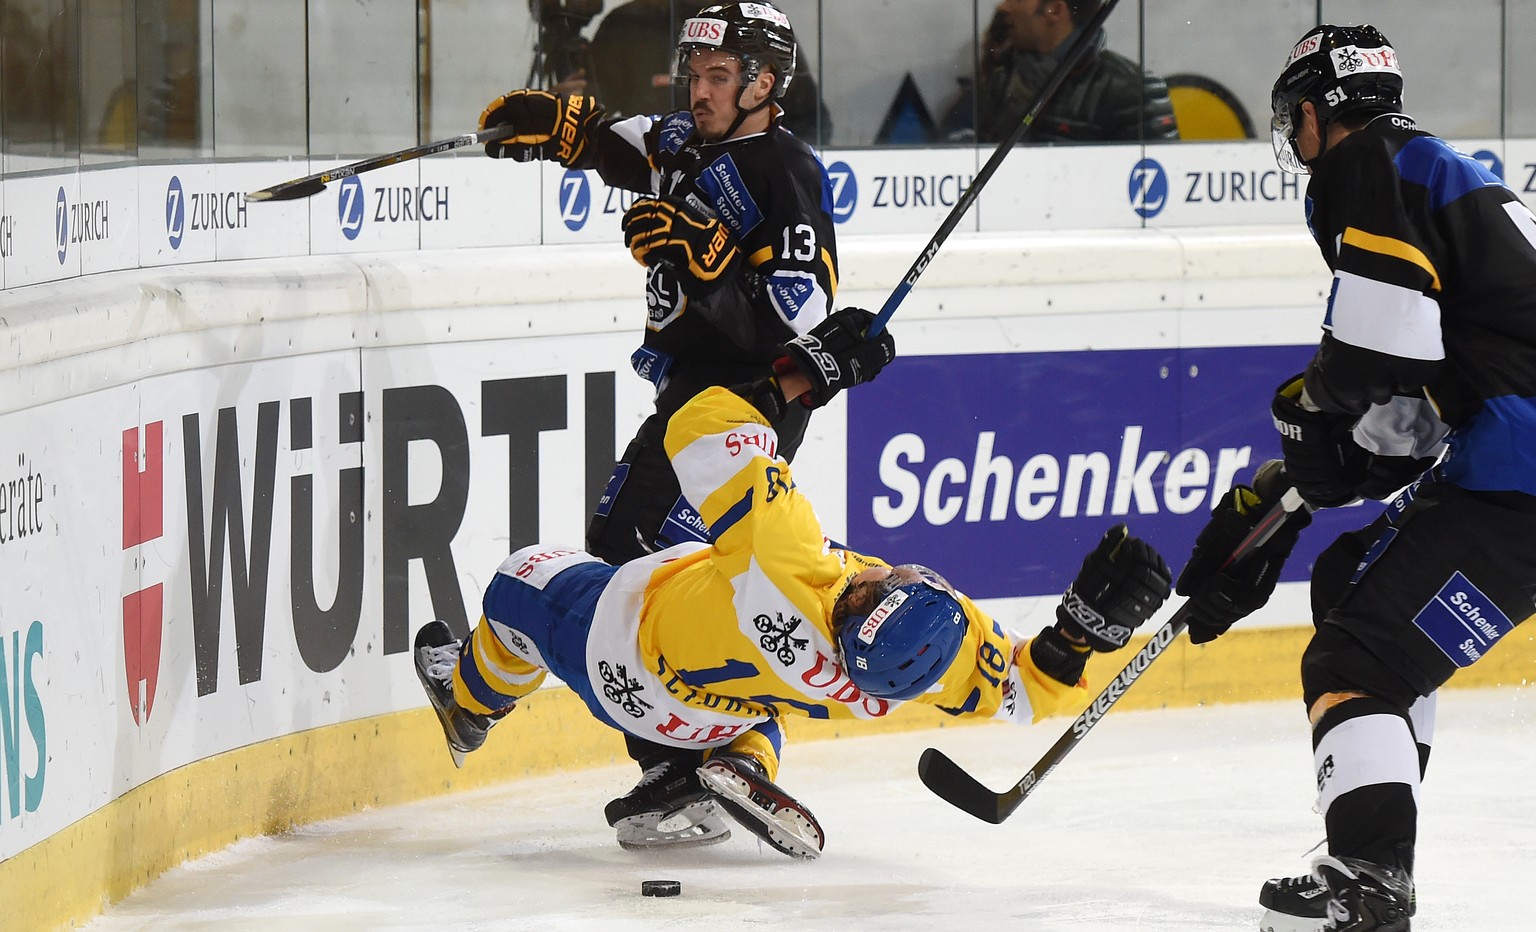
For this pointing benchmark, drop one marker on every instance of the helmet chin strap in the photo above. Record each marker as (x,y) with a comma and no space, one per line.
(742,113)
(1322,140)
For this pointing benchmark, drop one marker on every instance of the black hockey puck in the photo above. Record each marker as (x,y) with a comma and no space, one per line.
(661,887)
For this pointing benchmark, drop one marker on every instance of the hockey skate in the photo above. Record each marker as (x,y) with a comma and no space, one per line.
(1300,904)
(668,808)
(437,653)
(760,807)
(1364,896)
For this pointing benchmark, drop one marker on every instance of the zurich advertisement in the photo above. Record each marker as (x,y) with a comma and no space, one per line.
(1002,471)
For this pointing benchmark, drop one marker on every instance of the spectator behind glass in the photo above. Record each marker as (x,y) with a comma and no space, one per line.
(632,55)
(1106,98)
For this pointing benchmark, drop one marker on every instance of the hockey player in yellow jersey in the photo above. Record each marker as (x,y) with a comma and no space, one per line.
(709,646)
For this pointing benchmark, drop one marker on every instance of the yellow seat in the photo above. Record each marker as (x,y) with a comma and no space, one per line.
(1205,109)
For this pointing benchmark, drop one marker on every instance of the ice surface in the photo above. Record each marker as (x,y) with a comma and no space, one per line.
(1161,821)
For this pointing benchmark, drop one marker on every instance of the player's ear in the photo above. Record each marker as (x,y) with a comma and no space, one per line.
(765,83)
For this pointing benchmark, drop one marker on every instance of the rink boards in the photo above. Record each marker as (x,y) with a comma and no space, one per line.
(232,491)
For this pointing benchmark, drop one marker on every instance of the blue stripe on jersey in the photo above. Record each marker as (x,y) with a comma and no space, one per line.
(828,202)
(1333,292)
(1495,450)
(557,619)
(1448,174)
(730,670)
(732,514)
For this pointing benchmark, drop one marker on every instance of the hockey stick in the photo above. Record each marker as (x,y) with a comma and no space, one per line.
(310,185)
(963,791)
(1079,47)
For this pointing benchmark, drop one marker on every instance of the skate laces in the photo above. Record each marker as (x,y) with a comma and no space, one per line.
(653,774)
(440,661)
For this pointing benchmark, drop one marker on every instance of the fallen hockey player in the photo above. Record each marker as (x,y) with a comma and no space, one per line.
(709,646)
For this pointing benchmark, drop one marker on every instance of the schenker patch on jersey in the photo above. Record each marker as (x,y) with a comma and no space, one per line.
(1463,621)
(793,291)
(728,194)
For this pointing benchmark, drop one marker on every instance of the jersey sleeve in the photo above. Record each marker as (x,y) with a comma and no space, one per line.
(623,154)
(1001,681)
(1383,323)
(781,214)
(726,459)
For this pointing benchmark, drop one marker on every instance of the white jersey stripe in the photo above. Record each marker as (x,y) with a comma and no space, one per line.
(1386,318)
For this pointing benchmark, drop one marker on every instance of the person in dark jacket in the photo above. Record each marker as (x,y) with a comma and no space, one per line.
(1106,98)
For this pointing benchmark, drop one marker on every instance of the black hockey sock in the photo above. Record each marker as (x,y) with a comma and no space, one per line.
(1368,776)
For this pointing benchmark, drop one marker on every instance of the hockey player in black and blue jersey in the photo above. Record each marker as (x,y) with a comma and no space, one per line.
(1428,353)
(736,232)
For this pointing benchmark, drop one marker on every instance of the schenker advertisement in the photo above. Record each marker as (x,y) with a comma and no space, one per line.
(1003,470)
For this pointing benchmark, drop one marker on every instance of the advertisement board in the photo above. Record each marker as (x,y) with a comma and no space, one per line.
(1002,470)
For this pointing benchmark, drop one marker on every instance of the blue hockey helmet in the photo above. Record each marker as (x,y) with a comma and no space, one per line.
(1340,70)
(907,641)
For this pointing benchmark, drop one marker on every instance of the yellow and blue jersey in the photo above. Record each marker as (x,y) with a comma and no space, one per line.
(713,645)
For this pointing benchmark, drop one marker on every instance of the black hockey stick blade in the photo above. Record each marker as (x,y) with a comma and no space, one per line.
(1087,36)
(951,783)
(310,185)
(961,790)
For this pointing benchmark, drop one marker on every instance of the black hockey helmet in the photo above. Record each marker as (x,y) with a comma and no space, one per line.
(758,34)
(1342,71)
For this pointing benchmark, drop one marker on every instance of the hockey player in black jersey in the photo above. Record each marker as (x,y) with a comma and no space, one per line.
(736,233)
(1425,377)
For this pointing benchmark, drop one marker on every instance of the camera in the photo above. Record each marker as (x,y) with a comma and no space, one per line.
(562,51)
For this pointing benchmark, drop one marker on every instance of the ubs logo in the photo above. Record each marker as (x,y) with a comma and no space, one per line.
(845,191)
(175,212)
(61,225)
(351,202)
(1148,188)
(575,199)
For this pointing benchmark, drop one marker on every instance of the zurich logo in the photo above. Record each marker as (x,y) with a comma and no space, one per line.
(1148,188)
(350,201)
(575,199)
(845,191)
(61,225)
(175,212)
(1490,161)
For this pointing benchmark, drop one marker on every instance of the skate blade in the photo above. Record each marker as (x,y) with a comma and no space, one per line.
(1284,922)
(442,715)
(693,826)
(785,831)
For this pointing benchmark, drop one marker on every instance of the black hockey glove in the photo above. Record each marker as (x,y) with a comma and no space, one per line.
(1122,583)
(558,128)
(1321,456)
(674,232)
(1219,597)
(836,354)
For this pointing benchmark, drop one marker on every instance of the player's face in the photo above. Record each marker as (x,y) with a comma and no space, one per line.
(714,87)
